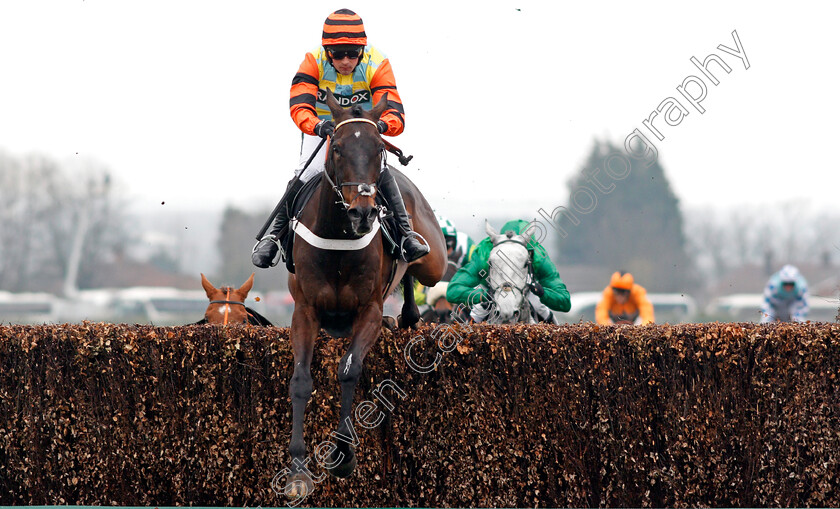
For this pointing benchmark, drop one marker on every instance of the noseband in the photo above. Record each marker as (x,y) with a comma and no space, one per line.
(363,188)
(227,309)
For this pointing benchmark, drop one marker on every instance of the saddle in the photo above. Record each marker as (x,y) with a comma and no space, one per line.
(387,222)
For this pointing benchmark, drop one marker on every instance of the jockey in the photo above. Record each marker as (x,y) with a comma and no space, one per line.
(459,245)
(785,297)
(357,74)
(624,301)
(548,292)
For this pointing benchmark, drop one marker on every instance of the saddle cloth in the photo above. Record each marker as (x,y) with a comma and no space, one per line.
(387,222)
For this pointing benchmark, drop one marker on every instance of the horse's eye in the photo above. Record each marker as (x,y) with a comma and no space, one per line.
(336,149)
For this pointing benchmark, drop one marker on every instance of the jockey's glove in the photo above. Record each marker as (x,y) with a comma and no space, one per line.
(325,128)
(537,289)
(382,126)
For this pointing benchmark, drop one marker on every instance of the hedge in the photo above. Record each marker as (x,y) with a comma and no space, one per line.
(577,415)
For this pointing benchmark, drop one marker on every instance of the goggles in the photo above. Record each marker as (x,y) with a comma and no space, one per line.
(342,54)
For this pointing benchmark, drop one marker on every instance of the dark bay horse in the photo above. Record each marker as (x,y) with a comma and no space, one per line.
(342,273)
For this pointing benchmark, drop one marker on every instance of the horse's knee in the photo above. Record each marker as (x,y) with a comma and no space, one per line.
(300,386)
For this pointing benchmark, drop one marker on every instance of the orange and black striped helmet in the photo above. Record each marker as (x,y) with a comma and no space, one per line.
(343,27)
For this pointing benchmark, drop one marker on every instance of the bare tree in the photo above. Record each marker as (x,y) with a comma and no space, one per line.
(46,209)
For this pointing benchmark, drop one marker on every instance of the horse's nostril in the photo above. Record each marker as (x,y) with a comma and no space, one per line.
(367,214)
(354,214)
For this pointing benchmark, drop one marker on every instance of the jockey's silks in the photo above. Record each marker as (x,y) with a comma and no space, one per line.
(370,80)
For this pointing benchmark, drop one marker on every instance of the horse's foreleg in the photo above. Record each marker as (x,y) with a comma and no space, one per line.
(366,330)
(304,331)
(410,313)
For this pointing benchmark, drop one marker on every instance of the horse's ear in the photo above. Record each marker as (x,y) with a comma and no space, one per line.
(246,286)
(209,289)
(491,232)
(380,108)
(332,103)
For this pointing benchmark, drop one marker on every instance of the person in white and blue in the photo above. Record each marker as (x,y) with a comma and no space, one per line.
(785,297)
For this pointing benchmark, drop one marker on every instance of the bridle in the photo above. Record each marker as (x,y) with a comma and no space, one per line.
(227,301)
(362,188)
(529,277)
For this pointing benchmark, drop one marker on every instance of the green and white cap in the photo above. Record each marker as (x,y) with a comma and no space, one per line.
(446,226)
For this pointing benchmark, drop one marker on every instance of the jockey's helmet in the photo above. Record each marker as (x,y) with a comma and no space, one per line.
(343,28)
(450,234)
(789,274)
(621,280)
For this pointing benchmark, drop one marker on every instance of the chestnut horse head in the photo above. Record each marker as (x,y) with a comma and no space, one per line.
(227,304)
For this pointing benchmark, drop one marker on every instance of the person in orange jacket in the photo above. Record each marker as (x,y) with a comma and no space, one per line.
(357,74)
(624,302)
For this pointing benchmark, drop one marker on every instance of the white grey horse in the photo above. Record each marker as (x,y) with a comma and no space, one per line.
(510,276)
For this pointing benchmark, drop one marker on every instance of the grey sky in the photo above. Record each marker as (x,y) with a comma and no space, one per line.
(187,101)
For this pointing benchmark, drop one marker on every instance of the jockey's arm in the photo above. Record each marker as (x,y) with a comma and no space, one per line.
(799,308)
(768,305)
(466,285)
(644,305)
(602,309)
(303,95)
(556,295)
(383,82)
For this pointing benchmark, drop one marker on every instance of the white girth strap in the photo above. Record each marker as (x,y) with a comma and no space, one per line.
(313,240)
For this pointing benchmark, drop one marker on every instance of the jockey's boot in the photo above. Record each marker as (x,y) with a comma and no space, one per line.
(410,247)
(266,249)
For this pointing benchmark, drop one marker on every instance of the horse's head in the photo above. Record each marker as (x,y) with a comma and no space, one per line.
(509,272)
(227,305)
(355,158)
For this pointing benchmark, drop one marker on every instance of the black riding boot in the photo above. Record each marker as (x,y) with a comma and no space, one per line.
(266,249)
(411,247)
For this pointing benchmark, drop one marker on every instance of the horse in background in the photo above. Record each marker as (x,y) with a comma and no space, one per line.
(227,305)
(343,273)
(510,276)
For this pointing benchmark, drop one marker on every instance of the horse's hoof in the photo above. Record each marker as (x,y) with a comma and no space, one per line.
(344,470)
(408,322)
(390,323)
(299,487)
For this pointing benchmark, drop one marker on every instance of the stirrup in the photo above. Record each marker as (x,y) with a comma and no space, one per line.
(407,236)
(280,250)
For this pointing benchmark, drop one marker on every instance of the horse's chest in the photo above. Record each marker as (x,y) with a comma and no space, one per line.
(345,286)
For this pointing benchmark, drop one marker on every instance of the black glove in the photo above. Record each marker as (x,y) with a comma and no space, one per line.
(537,289)
(264,252)
(382,126)
(325,128)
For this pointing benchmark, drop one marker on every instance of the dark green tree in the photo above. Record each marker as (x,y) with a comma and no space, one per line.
(629,223)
